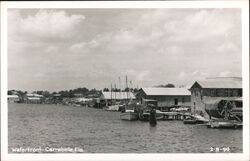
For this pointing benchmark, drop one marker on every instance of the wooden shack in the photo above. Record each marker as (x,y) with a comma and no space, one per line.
(166,97)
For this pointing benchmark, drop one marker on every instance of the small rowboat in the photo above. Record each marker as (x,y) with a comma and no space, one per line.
(189,121)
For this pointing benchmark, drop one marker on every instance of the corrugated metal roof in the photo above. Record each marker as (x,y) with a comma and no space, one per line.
(167,91)
(33,98)
(118,95)
(33,95)
(83,99)
(221,83)
(13,96)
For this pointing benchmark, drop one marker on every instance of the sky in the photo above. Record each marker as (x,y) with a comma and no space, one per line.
(60,49)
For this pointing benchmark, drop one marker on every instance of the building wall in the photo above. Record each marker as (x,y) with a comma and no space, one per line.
(35,101)
(165,101)
(168,101)
(13,100)
(199,96)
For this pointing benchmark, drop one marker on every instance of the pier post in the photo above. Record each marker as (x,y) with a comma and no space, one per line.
(152,117)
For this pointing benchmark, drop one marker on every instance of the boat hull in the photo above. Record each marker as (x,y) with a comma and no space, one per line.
(129,116)
(224,124)
(112,108)
(189,121)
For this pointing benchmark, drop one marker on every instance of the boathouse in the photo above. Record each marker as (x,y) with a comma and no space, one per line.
(214,89)
(13,98)
(34,98)
(166,97)
(108,97)
(119,96)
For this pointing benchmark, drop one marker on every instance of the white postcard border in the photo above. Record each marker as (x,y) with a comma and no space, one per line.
(243,4)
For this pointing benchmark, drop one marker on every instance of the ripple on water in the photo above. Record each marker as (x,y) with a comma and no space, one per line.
(99,131)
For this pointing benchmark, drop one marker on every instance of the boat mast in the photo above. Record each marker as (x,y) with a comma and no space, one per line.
(111,93)
(120,88)
(127,87)
(131,84)
(115,92)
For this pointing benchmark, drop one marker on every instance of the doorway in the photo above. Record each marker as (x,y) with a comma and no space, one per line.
(176,101)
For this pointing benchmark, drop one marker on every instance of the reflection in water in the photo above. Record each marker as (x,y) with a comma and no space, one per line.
(152,128)
(100,131)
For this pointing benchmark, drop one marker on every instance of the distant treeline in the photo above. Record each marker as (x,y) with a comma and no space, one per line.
(169,85)
(72,92)
(81,91)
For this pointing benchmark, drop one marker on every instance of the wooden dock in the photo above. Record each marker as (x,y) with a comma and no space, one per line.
(175,115)
(224,124)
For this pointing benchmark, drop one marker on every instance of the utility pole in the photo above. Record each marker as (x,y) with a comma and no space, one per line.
(120,87)
(111,93)
(115,92)
(127,87)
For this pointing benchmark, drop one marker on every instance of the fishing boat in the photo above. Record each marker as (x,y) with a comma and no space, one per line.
(114,107)
(224,124)
(129,112)
(189,120)
(144,116)
(195,119)
(200,119)
(129,115)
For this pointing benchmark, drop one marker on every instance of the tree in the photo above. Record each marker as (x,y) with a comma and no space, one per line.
(40,92)
(170,85)
(105,90)
(135,90)
(9,92)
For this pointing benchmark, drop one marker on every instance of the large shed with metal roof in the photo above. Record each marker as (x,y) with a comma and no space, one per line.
(165,97)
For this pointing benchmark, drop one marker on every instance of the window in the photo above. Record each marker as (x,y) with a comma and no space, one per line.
(176,101)
(230,93)
(226,92)
(240,92)
(235,92)
(213,92)
(197,93)
(206,92)
(220,92)
(183,99)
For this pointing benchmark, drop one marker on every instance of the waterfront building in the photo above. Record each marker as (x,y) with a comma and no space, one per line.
(13,98)
(34,98)
(109,97)
(214,89)
(166,97)
(57,98)
(78,95)
(117,96)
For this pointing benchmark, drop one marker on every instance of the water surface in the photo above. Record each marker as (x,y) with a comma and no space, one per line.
(98,131)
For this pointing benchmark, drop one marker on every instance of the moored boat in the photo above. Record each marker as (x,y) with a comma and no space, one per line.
(112,108)
(129,115)
(189,121)
(144,116)
(128,110)
(224,124)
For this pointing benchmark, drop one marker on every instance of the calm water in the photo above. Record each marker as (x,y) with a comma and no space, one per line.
(98,131)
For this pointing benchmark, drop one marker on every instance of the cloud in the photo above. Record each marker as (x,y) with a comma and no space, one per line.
(43,24)
(152,46)
(227,74)
(78,46)
(84,47)
(51,49)
(228,47)
(143,76)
